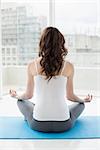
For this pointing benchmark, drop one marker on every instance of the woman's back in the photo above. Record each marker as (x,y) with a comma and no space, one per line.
(50,96)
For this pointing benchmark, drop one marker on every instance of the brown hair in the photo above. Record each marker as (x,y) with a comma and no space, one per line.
(52,51)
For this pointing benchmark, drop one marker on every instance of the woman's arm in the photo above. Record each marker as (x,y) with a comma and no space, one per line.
(29,88)
(70,92)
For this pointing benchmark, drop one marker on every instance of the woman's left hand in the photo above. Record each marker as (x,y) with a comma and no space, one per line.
(13,93)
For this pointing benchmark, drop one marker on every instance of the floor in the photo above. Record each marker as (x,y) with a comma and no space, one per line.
(8,107)
(50,145)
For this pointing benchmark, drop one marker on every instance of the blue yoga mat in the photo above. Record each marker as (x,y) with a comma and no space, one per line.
(17,128)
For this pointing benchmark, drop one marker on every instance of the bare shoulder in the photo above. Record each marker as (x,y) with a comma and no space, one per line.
(69,68)
(31,65)
(32,62)
(69,65)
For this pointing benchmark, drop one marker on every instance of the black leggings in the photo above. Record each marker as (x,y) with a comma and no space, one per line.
(26,107)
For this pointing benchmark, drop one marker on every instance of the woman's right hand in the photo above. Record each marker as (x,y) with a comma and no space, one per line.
(88,98)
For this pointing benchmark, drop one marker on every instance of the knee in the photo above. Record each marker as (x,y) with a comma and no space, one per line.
(19,102)
(82,105)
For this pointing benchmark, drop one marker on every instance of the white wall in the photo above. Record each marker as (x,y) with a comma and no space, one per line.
(87,79)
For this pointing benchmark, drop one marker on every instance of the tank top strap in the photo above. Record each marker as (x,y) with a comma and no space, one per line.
(63,67)
(36,67)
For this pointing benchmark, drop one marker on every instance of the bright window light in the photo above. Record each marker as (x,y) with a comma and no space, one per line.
(21,25)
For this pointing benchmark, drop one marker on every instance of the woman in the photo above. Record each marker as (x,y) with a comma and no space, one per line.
(51,76)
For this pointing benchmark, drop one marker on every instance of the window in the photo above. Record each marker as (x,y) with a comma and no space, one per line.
(8,51)
(22,23)
(14,51)
(3,51)
(78,20)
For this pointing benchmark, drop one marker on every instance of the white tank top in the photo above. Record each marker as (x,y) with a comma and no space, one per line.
(50,98)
